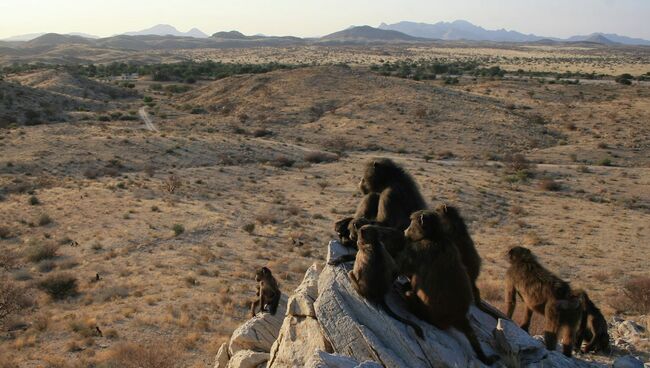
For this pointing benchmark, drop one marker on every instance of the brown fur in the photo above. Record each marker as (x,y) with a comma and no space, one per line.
(593,327)
(456,230)
(375,270)
(268,292)
(441,291)
(399,196)
(366,213)
(544,293)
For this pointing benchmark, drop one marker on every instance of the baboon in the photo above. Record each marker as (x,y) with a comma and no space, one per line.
(544,293)
(268,292)
(399,196)
(456,230)
(440,290)
(375,270)
(593,327)
(367,210)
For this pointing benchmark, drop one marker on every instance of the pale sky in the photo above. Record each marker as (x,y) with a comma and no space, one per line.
(555,18)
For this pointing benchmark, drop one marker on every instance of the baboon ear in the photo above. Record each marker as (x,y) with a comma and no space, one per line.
(421,219)
(375,164)
(444,207)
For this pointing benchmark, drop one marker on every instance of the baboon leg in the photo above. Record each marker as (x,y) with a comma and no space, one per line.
(568,337)
(468,331)
(273,306)
(415,326)
(527,317)
(551,324)
(343,259)
(415,306)
(254,305)
(511,299)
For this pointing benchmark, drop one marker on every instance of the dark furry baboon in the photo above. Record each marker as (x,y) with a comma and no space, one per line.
(399,196)
(375,270)
(593,327)
(544,293)
(456,230)
(441,291)
(341,227)
(268,292)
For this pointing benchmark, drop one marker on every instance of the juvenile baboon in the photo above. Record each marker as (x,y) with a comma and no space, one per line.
(399,196)
(366,212)
(544,293)
(456,230)
(375,270)
(593,327)
(441,291)
(268,292)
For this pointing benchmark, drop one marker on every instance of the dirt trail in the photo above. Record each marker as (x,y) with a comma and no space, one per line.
(147,119)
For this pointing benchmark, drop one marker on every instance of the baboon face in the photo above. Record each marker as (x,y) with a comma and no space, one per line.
(262,273)
(366,236)
(363,186)
(424,224)
(377,175)
(516,254)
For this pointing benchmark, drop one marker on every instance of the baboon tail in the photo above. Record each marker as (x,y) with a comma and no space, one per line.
(415,326)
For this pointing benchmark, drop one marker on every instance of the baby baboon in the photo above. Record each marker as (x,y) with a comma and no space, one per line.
(268,292)
(346,228)
(441,291)
(593,327)
(544,293)
(341,227)
(375,270)
(456,230)
(399,196)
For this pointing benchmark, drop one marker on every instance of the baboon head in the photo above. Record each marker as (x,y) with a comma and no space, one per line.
(519,254)
(450,218)
(341,227)
(355,225)
(425,224)
(262,273)
(366,238)
(378,174)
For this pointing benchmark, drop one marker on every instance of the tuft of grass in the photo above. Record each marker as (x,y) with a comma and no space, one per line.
(249,228)
(320,157)
(34,201)
(44,220)
(46,265)
(153,355)
(549,185)
(59,286)
(178,229)
(605,162)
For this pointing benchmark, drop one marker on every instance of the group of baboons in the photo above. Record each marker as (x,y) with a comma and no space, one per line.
(396,235)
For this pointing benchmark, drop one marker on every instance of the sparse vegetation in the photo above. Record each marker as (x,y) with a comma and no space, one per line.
(59,286)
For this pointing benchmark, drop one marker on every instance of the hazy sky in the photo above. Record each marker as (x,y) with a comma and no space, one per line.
(559,18)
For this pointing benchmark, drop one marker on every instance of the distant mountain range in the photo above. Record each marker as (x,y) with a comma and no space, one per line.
(163,36)
(464,30)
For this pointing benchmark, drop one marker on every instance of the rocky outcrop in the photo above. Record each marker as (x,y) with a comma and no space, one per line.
(327,324)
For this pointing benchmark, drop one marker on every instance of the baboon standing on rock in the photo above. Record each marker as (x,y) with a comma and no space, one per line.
(544,293)
(441,291)
(456,230)
(268,292)
(399,196)
(375,270)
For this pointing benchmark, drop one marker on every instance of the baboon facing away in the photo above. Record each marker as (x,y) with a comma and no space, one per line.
(375,270)
(399,196)
(441,292)
(456,230)
(593,327)
(544,293)
(268,292)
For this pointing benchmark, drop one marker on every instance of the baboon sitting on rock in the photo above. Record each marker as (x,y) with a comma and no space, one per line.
(268,292)
(544,293)
(440,291)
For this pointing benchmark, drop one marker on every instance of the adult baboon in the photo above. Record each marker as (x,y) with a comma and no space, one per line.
(375,270)
(268,292)
(544,293)
(440,292)
(399,196)
(456,230)
(593,327)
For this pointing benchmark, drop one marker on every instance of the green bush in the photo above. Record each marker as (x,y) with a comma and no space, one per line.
(178,229)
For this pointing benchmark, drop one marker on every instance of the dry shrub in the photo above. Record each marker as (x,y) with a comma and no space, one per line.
(549,185)
(10,298)
(320,157)
(38,252)
(112,293)
(171,184)
(637,290)
(282,161)
(491,290)
(59,286)
(5,233)
(154,355)
(518,162)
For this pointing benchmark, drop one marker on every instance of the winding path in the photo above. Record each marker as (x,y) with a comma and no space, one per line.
(147,119)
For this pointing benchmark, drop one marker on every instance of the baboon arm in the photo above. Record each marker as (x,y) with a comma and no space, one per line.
(511,298)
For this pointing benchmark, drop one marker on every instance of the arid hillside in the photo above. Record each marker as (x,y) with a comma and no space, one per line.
(153,237)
